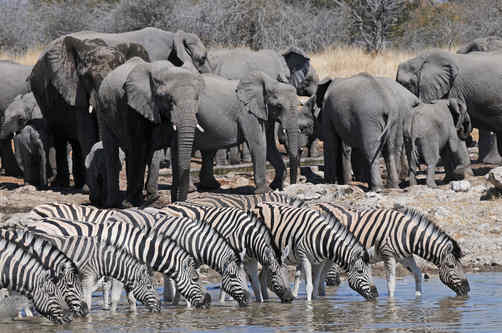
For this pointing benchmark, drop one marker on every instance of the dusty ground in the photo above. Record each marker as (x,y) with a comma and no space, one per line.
(473,218)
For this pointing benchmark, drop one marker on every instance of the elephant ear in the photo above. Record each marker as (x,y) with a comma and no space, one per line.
(461,118)
(322,87)
(131,50)
(251,90)
(138,87)
(298,63)
(62,64)
(436,77)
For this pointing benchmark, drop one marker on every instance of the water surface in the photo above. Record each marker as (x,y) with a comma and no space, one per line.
(438,310)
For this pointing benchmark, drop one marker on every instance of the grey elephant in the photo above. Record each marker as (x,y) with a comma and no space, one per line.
(144,107)
(33,144)
(488,151)
(65,81)
(367,114)
(472,78)
(12,83)
(436,130)
(482,44)
(95,168)
(232,112)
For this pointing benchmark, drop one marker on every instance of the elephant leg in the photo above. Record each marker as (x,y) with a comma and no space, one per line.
(152,188)
(275,158)
(135,170)
(255,137)
(430,150)
(346,163)
(488,148)
(78,165)
(63,173)
(372,155)
(87,136)
(9,163)
(390,158)
(412,162)
(246,154)
(234,155)
(207,180)
(112,166)
(221,157)
(460,158)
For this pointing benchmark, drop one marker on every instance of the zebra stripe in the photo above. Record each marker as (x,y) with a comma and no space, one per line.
(25,273)
(244,232)
(156,251)
(313,240)
(206,247)
(397,235)
(96,260)
(244,202)
(72,212)
(55,260)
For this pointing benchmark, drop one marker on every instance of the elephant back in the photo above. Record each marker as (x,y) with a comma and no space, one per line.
(13,81)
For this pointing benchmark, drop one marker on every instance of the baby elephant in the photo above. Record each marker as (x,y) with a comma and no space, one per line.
(33,145)
(438,130)
(96,173)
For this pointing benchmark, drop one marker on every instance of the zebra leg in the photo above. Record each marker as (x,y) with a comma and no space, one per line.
(169,289)
(132,302)
(298,278)
(117,287)
(263,284)
(107,286)
(307,270)
(89,285)
(390,271)
(316,274)
(411,264)
(251,268)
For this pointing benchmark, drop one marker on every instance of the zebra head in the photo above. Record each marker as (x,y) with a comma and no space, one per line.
(451,272)
(277,276)
(49,301)
(70,283)
(234,280)
(186,282)
(142,288)
(359,275)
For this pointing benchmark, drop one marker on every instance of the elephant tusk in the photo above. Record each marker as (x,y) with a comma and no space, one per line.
(90,108)
(300,131)
(174,128)
(284,131)
(200,128)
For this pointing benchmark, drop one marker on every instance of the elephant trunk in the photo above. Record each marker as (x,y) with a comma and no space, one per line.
(185,132)
(292,137)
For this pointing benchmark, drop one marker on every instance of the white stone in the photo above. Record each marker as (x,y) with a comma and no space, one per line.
(460,186)
(495,177)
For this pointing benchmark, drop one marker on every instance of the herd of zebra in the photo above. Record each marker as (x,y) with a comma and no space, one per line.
(57,253)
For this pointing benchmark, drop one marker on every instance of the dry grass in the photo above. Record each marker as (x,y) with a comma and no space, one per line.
(30,58)
(347,61)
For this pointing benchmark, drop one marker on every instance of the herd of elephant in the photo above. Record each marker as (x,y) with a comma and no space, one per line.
(128,96)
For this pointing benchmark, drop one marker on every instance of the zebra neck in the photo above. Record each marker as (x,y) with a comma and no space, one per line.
(428,241)
(115,263)
(339,245)
(22,283)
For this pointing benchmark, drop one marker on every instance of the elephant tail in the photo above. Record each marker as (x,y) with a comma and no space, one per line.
(383,137)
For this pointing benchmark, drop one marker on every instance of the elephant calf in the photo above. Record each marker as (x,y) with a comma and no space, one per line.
(438,130)
(95,169)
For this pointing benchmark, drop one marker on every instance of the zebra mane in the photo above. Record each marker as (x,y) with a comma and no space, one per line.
(420,218)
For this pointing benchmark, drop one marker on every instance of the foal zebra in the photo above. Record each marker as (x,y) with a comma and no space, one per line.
(52,258)
(244,202)
(244,233)
(397,236)
(158,252)
(25,273)
(314,241)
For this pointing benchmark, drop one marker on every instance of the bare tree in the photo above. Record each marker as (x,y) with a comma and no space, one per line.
(374,20)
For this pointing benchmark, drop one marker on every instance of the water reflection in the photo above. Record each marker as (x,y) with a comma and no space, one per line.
(435,311)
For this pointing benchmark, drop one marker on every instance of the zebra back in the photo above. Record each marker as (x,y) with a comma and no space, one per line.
(244,202)
(72,212)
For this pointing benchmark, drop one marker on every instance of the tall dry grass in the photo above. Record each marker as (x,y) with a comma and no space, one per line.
(29,58)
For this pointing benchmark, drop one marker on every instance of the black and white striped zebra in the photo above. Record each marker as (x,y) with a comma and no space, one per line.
(156,251)
(397,236)
(313,241)
(69,280)
(206,247)
(97,259)
(244,232)
(244,202)
(72,212)
(23,272)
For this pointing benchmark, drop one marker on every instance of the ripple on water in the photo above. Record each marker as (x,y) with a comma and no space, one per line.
(436,311)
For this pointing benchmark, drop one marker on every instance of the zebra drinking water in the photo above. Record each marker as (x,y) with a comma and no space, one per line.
(397,236)
(244,232)
(158,252)
(69,279)
(313,241)
(24,272)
